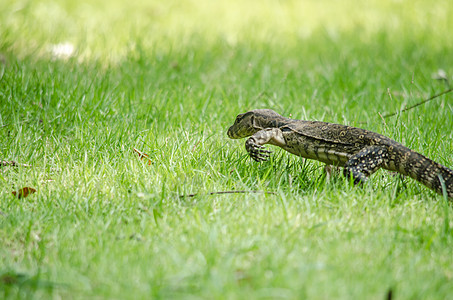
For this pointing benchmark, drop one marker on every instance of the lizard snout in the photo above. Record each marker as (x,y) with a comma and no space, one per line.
(230,132)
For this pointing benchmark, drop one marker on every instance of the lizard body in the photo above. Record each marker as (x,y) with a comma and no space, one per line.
(360,152)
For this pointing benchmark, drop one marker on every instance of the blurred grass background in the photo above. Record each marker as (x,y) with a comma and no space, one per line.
(110,30)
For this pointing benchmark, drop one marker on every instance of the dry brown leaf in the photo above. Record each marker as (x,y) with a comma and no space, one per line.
(142,156)
(23,192)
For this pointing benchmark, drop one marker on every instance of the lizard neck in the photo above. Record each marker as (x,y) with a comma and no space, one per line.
(276,121)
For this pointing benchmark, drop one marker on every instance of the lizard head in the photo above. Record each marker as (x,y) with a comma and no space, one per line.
(249,123)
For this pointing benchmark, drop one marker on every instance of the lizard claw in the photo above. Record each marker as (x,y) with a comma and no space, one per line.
(257,152)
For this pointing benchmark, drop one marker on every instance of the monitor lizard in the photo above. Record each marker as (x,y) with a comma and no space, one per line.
(360,152)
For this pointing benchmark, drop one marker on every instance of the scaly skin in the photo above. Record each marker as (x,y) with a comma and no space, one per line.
(360,152)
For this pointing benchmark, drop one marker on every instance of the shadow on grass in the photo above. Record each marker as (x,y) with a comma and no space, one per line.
(13,284)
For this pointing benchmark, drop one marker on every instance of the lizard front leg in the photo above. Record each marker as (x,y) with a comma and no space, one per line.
(254,144)
(365,162)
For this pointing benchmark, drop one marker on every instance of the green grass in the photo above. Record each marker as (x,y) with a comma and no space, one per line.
(168,78)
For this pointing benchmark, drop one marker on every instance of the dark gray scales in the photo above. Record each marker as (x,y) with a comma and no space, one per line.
(365,162)
(360,152)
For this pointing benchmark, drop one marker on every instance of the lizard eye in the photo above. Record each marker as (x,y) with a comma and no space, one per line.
(239,118)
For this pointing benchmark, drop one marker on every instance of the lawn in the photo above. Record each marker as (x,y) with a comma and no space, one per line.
(83,83)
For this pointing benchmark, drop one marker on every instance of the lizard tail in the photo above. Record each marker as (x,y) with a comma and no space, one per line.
(432,174)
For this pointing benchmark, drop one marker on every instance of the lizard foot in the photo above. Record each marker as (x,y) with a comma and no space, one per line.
(357,177)
(257,152)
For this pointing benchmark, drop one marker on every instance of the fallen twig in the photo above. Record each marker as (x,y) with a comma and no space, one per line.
(230,192)
(410,107)
(12,163)
(418,104)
